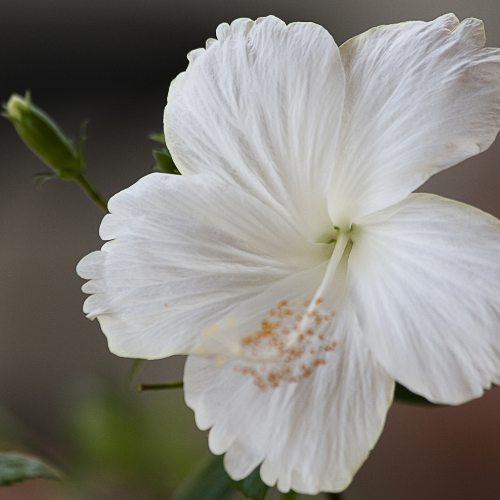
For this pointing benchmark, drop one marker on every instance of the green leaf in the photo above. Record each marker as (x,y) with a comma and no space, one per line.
(157,136)
(211,484)
(164,162)
(252,486)
(144,444)
(15,468)
(404,395)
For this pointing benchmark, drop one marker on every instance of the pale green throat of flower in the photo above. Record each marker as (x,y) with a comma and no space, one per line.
(291,340)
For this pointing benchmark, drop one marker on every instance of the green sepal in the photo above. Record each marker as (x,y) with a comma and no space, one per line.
(157,136)
(252,486)
(164,162)
(15,468)
(39,179)
(404,395)
(44,137)
(212,483)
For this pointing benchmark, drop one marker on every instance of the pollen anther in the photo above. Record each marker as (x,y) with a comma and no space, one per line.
(288,346)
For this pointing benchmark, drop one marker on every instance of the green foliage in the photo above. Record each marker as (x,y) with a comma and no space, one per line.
(19,466)
(123,441)
(164,162)
(157,136)
(252,486)
(211,484)
(404,395)
(15,468)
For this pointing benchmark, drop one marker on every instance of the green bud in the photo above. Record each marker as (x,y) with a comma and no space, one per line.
(42,135)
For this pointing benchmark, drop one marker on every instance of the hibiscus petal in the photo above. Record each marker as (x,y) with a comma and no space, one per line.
(260,108)
(426,279)
(420,97)
(312,435)
(184,250)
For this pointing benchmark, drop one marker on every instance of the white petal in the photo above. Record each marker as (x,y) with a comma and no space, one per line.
(184,250)
(426,276)
(420,97)
(260,108)
(310,436)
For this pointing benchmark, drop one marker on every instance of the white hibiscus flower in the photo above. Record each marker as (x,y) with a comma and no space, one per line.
(291,261)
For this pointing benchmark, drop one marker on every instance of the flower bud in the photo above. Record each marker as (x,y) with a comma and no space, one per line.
(42,135)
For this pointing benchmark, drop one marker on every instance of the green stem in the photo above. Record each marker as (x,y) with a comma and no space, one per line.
(159,387)
(291,495)
(134,369)
(91,192)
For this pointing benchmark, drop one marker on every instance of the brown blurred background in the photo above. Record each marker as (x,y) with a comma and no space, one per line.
(111,62)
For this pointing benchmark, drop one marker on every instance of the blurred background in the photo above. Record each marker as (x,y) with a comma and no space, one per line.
(62,393)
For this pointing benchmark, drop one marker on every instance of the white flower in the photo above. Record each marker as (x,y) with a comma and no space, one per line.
(291,260)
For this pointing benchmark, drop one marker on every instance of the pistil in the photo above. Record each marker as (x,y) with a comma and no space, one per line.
(326,283)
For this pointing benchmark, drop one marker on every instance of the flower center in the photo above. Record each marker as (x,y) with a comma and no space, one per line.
(288,346)
(291,341)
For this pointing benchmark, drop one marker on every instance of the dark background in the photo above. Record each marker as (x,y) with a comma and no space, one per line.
(111,62)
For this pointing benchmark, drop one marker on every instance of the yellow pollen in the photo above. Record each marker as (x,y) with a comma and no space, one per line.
(288,346)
